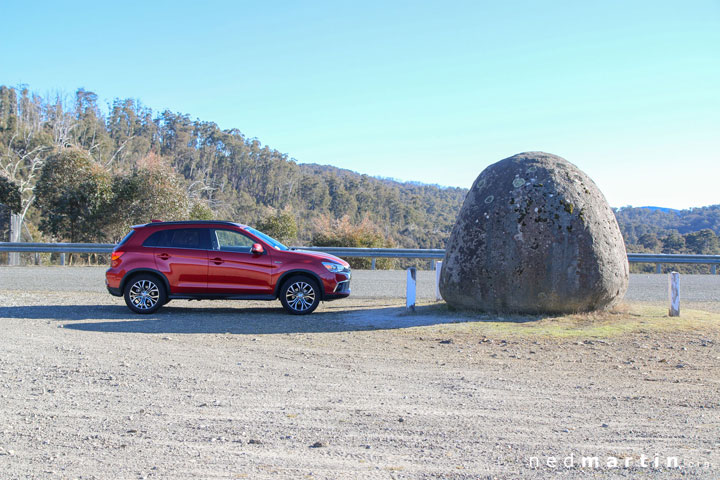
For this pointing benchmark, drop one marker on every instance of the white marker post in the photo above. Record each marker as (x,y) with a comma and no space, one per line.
(411,288)
(438,269)
(674,291)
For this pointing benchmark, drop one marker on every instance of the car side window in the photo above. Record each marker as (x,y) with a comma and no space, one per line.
(195,238)
(157,239)
(231,241)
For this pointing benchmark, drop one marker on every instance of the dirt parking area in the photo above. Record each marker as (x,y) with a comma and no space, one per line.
(360,389)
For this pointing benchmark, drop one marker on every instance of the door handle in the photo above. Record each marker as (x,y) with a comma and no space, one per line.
(164,256)
(217,260)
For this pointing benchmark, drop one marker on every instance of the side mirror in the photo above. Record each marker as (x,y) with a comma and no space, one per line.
(257,249)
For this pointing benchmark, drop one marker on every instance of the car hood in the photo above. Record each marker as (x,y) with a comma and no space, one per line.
(322,256)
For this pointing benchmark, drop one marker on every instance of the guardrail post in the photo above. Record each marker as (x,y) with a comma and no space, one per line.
(411,289)
(674,291)
(658,268)
(62,259)
(15,225)
(713,269)
(438,269)
(372,266)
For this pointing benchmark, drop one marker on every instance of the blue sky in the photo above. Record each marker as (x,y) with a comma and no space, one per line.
(426,91)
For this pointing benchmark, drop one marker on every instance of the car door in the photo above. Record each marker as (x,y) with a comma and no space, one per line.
(182,255)
(234,269)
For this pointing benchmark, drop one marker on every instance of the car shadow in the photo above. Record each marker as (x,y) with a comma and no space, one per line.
(243,321)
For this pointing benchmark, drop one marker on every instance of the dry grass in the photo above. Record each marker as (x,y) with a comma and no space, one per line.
(625,319)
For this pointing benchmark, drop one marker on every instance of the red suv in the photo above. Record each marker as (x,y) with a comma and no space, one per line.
(162,261)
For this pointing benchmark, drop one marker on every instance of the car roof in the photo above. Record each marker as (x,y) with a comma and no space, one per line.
(190,222)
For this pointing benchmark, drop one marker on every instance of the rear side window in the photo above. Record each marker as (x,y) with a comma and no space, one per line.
(197,238)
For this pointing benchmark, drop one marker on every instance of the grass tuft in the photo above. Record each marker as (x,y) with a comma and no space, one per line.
(625,319)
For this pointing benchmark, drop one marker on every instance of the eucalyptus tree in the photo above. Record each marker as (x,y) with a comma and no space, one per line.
(73,194)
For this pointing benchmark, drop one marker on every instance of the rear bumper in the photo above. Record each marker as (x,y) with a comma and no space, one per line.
(113,277)
(112,282)
(115,292)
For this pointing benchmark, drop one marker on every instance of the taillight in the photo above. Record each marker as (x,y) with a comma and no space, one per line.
(115,258)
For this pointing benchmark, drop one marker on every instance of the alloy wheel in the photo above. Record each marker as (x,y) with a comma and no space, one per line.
(300,296)
(144,294)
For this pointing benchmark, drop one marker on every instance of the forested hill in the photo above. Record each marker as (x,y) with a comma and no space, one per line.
(663,230)
(142,161)
(79,172)
(641,220)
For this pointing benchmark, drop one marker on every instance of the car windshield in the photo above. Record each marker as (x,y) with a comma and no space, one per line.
(267,239)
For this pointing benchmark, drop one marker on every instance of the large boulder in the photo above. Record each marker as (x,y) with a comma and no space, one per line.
(534,235)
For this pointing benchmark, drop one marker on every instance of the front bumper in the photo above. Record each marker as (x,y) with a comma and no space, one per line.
(328,297)
(343,287)
(341,290)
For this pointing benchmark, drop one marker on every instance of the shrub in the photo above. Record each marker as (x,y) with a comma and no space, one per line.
(342,233)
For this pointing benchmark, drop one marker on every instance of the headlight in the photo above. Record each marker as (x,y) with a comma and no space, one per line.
(334,267)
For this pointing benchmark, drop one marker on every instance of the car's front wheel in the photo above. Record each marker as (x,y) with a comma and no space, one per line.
(300,295)
(145,294)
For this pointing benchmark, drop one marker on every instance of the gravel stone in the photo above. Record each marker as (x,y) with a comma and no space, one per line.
(69,396)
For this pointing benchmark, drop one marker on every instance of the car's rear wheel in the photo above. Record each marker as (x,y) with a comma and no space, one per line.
(300,295)
(145,294)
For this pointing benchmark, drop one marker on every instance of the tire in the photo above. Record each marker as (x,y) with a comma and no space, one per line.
(145,294)
(300,295)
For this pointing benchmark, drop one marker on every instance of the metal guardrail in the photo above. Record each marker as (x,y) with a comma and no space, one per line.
(673,258)
(427,253)
(56,247)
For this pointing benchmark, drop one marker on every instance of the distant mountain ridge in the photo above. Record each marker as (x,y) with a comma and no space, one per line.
(662,209)
(319,167)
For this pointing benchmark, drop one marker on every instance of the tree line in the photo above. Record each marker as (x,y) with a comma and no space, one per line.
(130,165)
(661,230)
(79,172)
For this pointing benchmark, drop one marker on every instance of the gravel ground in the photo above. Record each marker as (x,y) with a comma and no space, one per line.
(360,389)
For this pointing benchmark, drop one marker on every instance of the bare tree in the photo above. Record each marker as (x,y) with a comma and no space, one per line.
(61,120)
(23,166)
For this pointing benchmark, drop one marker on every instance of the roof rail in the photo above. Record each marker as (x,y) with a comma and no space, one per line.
(189,222)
